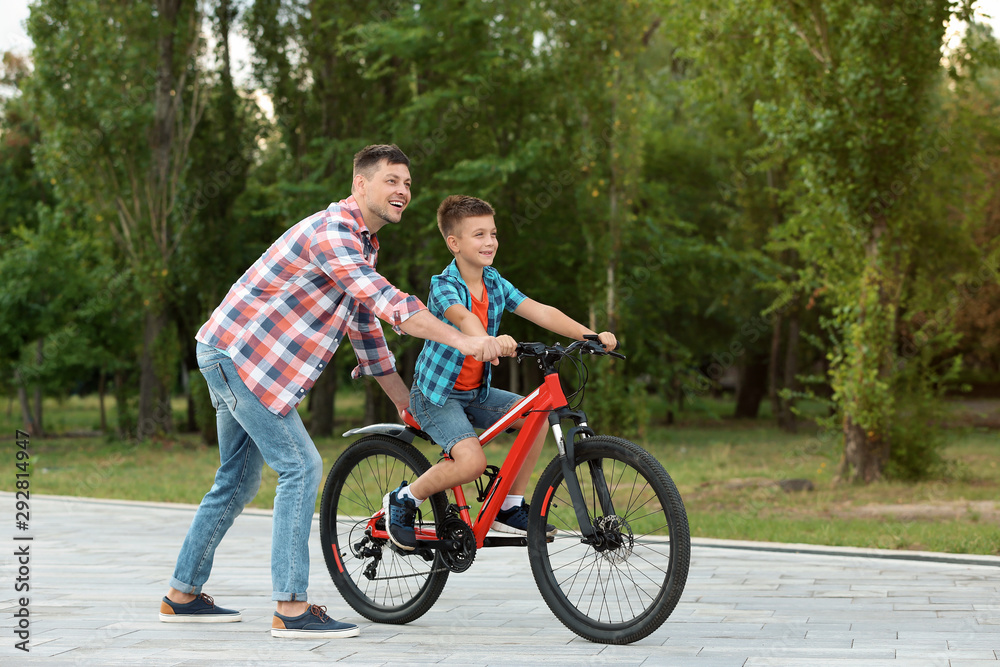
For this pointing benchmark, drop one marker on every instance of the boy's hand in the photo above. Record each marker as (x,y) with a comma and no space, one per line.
(507,345)
(482,348)
(608,340)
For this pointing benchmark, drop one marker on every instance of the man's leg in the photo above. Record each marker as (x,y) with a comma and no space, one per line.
(291,453)
(236,483)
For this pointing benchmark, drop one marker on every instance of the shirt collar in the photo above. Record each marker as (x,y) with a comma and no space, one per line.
(350,206)
(451,271)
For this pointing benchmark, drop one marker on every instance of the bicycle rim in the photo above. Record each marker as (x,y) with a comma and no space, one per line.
(625,589)
(378,582)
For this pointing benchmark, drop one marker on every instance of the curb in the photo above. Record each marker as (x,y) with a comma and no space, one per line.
(852,552)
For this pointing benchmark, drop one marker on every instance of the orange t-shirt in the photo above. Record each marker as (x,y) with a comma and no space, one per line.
(472,371)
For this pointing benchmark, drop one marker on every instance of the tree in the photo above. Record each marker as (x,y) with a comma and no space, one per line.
(118,95)
(858,106)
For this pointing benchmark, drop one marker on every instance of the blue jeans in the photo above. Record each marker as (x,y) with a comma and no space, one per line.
(249,436)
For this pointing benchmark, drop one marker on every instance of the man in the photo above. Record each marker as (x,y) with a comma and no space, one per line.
(262,350)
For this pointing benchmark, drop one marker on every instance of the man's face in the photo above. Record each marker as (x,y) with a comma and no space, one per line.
(387,192)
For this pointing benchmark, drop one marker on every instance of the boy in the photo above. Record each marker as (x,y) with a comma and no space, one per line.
(451,393)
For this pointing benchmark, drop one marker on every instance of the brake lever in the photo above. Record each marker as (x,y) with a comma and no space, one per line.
(595,338)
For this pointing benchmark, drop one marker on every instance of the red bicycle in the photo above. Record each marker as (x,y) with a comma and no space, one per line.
(612,573)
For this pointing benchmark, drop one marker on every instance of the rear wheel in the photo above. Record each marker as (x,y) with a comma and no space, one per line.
(377,581)
(624,587)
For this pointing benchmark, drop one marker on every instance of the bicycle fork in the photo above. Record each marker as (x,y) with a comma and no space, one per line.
(567,456)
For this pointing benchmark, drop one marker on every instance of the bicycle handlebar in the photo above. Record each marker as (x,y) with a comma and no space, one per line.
(590,345)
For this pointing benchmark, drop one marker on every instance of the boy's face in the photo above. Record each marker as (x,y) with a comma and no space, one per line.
(475,241)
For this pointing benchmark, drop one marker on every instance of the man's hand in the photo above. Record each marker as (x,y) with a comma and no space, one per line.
(507,345)
(608,340)
(481,348)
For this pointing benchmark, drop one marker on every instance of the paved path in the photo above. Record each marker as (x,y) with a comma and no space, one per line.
(98,569)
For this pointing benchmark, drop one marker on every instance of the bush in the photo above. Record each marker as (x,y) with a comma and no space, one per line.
(615,405)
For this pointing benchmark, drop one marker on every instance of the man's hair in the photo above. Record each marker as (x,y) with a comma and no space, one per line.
(367,159)
(456,208)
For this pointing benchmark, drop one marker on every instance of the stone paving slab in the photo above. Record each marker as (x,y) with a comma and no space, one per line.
(99,567)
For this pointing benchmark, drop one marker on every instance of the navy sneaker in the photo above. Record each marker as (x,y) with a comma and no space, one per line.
(399,519)
(200,610)
(515,521)
(313,624)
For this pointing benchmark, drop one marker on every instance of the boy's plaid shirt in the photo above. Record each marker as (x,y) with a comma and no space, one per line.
(283,320)
(438,365)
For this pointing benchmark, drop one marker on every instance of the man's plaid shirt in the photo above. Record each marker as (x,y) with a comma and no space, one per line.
(438,365)
(283,320)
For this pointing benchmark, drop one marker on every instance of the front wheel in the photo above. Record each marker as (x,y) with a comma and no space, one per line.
(378,582)
(623,586)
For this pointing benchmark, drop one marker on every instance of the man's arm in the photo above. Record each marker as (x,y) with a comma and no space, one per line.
(396,390)
(471,325)
(425,325)
(558,322)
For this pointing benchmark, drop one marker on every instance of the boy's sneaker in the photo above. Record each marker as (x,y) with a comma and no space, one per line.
(200,610)
(515,521)
(313,624)
(399,515)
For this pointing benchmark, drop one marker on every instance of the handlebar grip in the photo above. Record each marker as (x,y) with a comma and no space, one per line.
(597,339)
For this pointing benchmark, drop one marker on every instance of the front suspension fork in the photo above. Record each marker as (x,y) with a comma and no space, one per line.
(567,457)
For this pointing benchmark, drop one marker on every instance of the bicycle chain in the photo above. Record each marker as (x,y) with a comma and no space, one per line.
(416,574)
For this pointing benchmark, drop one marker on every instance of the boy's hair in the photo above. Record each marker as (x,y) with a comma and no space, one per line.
(456,208)
(367,159)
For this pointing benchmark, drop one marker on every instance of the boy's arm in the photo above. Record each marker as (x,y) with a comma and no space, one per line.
(558,322)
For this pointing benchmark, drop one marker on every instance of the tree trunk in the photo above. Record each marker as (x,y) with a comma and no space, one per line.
(39,360)
(864,456)
(867,445)
(101,386)
(22,397)
(752,388)
(192,417)
(154,402)
(322,403)
(774,370)
(788,421)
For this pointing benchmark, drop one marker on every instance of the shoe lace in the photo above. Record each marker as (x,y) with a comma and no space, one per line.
(402,512)
(320,612)
(207,599)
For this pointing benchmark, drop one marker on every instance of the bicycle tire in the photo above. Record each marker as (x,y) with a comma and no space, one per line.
(405,586)
(625,592)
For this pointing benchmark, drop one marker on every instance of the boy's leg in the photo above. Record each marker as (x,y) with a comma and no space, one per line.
(466,464)
(449,427)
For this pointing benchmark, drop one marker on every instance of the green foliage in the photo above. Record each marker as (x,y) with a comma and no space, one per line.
(684,173)
(616,404)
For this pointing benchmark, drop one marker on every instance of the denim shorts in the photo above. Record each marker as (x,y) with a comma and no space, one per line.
(460,415)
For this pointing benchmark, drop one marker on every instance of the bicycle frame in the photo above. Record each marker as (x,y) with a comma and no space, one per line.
(535,408)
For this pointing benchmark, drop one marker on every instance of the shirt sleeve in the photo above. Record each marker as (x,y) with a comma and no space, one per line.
(338,251)
(368,341)
(512,296)
(444,294)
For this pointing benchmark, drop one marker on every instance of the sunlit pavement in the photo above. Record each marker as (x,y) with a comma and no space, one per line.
(98,568)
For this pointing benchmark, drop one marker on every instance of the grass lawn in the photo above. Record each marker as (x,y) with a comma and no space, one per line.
(727,472)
